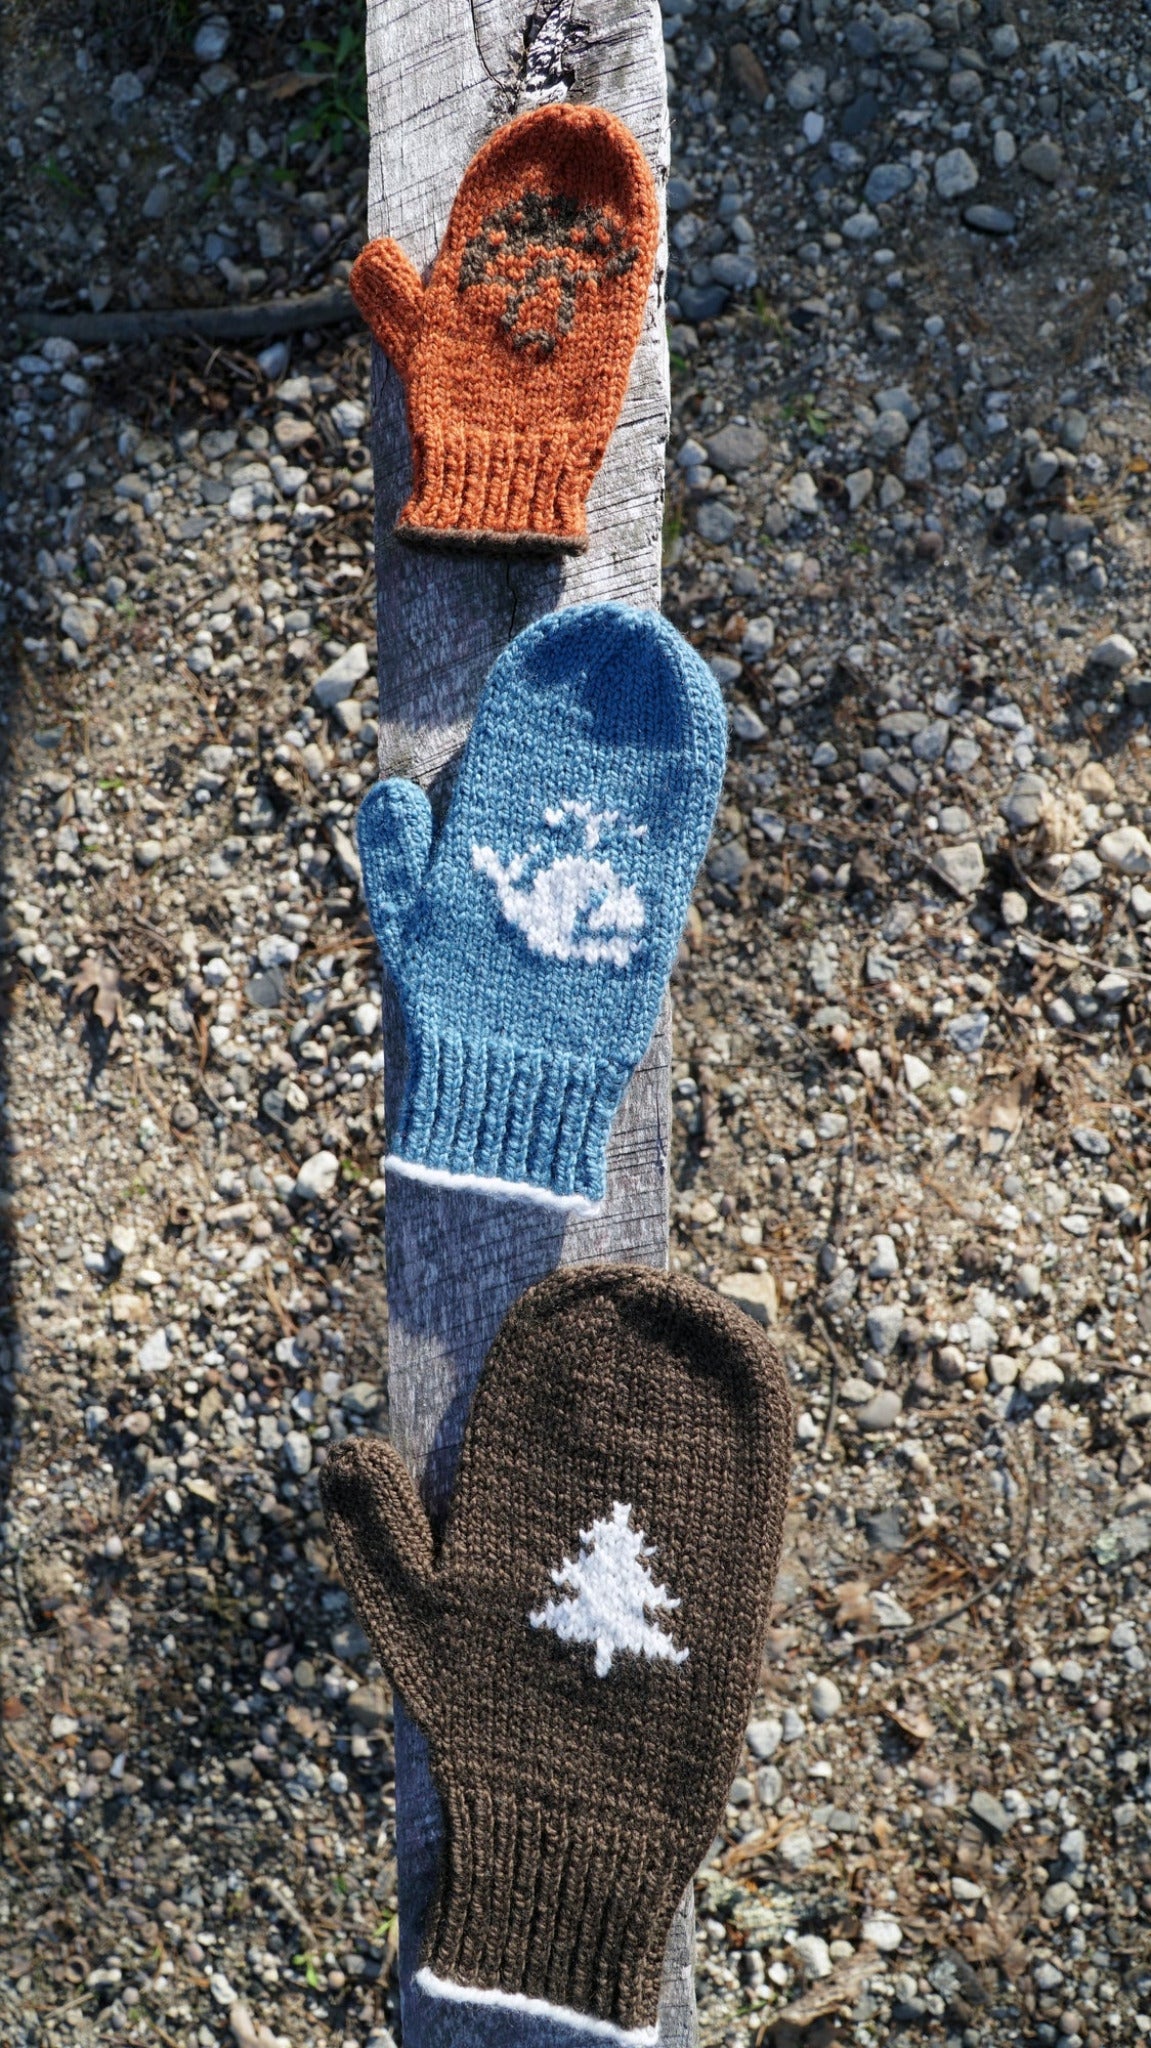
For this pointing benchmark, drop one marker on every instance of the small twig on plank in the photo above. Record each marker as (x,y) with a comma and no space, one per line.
(216,323)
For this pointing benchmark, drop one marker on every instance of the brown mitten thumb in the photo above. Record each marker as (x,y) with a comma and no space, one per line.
(387,289)
(384,1547)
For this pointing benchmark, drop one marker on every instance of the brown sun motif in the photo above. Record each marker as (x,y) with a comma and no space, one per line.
(542,249)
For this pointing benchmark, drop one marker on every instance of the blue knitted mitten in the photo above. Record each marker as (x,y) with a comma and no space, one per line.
(530,942)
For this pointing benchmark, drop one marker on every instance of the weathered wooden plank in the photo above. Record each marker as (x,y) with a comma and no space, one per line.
(440,78)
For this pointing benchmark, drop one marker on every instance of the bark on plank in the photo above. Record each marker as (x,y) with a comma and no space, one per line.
(439,80)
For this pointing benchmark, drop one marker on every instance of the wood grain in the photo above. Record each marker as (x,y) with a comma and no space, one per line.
(440,78)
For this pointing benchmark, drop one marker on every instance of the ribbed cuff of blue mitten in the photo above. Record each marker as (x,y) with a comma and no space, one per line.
(491,1116)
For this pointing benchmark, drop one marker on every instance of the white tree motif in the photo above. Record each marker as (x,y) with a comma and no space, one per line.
(612,1594)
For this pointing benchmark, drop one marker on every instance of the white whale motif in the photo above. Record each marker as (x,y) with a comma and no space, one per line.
(577,907)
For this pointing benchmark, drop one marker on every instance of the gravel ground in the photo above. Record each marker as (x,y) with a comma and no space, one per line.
(907,524)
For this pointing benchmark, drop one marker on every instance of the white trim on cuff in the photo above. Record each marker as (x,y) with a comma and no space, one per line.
(539,2008)
(482,1184)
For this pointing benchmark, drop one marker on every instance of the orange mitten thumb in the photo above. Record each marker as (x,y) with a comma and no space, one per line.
(388,292)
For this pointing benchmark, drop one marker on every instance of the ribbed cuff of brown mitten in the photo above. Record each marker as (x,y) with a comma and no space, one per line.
(540,1907)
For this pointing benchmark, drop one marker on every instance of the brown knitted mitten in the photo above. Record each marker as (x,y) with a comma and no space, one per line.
(582,1646)
(516,355)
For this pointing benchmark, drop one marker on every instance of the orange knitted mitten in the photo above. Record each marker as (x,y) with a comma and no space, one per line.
(516,354)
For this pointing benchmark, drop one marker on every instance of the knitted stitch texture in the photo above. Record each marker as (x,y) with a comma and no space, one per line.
(582,1646)
(516,356)
(531,941)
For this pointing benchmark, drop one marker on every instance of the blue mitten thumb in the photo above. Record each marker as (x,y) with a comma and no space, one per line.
(394,829)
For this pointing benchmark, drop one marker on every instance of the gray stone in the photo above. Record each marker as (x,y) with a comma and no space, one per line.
(890,432)
(881,1413)
(886,182)
(968,1031)
(759,638)
(917,455)
(211,40)
(736,448)
(956,173)
(298,1452)
(764,1738)
(864,111)
(715,521)
(931,743)
(737,273)
(859,484)
(266,990)
(1113,654)
(806,87)
(1043,159)
(962,755)
(961,867)
(702,302)
(861,227)
(990,220)
(990,1812)
(680,195)
(747,724)
(728,863)
(952,460)
(904,35)
(884,1530)
(1025,804)
(885,1327)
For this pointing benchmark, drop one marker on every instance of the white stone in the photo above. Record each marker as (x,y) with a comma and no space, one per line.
(317,1177)
(1127,849)
(754,1293)
(1003,149)
(1042,1376)
(298,1452)
(277,951)
(916,1073)
(884,1259)
(759,639)
(826,1699)
(961,867)
(154,1354)
(366,1019)
(882,1931)
(814,1955)
(802,495)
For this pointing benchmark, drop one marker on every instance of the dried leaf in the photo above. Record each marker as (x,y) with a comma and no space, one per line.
(286,84)
(998,1119)
(832,1993)
(916,1726)
(99,979)
(855,1608)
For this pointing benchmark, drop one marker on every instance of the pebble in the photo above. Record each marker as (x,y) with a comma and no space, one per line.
(826,1699)
(317,1177)
(1044,160)
(736,448)
(881,1413)
(884,1327)
(961,867)
(814,1956)
(955,174)
(715,522)
(764,1737)
(1113,654)
(882,1931)
(1127,850)
(884,1259)
(802,494)
(991,1812)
